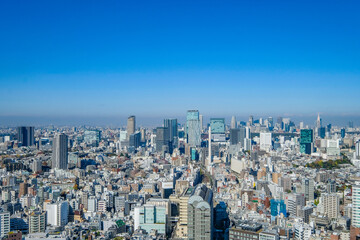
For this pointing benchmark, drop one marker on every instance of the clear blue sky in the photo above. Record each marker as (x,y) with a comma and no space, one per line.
(154,58)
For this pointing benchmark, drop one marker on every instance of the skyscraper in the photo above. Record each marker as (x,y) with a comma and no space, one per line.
(209,161)
(217,129)
(200,213)
(60,151)
(162,139)
(318,122)
(193,130)
(130,126)
(342,132)
(306,141)
(172,127)
(25,135)
(233,122)
(251,120)
(201,122)
(357,149)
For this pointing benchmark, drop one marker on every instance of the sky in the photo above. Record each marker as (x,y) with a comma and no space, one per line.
(101,59)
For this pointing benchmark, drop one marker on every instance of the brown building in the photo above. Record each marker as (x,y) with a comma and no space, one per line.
(23,189)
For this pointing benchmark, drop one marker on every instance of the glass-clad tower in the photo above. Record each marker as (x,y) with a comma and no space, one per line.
(193,128)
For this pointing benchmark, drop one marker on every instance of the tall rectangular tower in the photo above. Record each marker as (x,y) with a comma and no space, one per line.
(60,152)
(25,135)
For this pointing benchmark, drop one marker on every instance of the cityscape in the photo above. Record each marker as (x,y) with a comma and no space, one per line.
(182,120)
(256,179)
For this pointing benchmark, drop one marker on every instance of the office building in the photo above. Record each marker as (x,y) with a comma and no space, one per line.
(135,140)
(131,124)
(150,217)
(172,127)
(308,189)
(25,135)
(357,150)
(234,136)
(92,137)
(217,129)
(277,207)
(200,213)
(37,222)
(57,213)
(4,223)
(342,132)
(233,122)
(162,139)
(265,141)
(193,128)
(306,141)
(60,152)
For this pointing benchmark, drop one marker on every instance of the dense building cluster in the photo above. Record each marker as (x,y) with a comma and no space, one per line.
(256,179)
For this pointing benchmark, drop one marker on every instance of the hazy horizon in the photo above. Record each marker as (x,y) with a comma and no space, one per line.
(147,121)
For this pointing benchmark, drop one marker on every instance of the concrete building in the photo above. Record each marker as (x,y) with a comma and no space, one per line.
(200,214)
(355,221)
(4,223)
(60,152)
(150,217)
(57,213)
(331,205)
(37,222)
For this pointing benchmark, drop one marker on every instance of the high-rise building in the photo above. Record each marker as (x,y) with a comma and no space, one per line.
(172,128)
(193,130)
(60,151)
(318,122)
(131,124)
(342,132)
(357,149)
(135,140)
(355,219)
(234,136)
(23,187)
(217,129)
(57,213)
(4,223)
(251,120)
(233,122)
(201,118)
(321,132)
(217,125)
(308,189)
(162,139)
(306,141)
(92,137)
(331,205)
(150,217)
(200,213)
(265,141)
(25,135)
(37,222)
